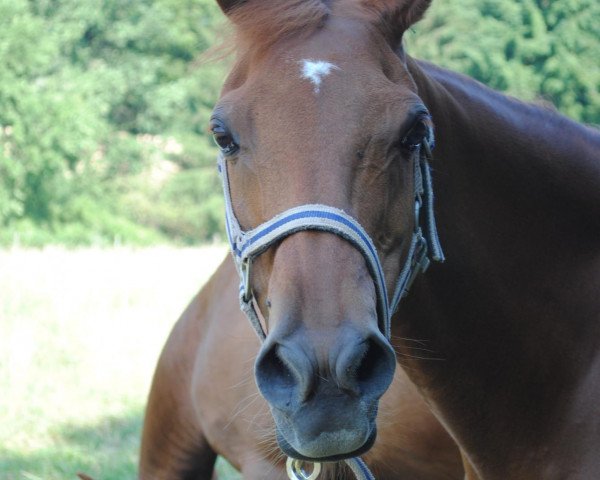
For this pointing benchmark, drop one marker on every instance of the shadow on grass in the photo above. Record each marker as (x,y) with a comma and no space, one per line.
(105,450)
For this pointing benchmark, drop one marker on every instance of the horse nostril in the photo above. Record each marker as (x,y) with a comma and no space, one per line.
(375,368)
(275,368)
(275,378)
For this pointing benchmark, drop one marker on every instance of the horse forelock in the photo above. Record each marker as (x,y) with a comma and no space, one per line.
(261,23)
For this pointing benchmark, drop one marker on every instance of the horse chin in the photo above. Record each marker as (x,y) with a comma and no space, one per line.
(292,452)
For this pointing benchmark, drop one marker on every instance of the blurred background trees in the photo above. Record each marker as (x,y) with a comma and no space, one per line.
(104,104)
(545,50)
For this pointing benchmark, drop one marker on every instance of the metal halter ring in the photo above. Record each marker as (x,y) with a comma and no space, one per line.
(296,471)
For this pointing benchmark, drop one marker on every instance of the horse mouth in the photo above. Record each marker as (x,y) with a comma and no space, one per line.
(290,451)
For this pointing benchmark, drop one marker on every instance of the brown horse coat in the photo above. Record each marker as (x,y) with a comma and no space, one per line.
(204,402)
(510,323)
(515,311)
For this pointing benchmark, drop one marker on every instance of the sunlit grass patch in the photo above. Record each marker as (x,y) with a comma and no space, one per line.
(80,333)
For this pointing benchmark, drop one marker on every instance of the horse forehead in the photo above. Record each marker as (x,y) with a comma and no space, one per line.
(320,57)
(341,56)
(322,76)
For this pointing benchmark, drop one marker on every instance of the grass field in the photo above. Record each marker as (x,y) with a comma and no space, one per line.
(80,333)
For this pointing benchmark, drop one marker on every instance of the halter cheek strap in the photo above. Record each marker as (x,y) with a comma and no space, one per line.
(425,244)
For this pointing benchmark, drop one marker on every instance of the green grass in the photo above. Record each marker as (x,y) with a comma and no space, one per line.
(80,333)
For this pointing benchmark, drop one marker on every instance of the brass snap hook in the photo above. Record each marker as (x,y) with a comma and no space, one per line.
(296,469)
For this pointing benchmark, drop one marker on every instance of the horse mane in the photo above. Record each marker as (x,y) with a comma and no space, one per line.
(540,113)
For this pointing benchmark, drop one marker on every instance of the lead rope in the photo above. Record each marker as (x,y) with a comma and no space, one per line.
(425,246)
(359,468)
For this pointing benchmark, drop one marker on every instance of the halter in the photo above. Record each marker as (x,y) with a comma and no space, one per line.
(425,245)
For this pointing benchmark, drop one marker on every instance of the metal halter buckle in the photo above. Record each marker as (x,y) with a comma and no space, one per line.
(247,293)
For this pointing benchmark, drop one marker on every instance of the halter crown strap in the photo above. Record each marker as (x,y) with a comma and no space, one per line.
(247,245)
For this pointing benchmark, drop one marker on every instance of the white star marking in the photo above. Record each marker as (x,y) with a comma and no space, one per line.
(315,71)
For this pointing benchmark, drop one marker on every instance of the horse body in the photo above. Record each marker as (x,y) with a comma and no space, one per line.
(323,106)
(204,401)
(514,312)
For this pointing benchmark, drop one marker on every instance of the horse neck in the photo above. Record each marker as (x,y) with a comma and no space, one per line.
(514,310)
(536,155)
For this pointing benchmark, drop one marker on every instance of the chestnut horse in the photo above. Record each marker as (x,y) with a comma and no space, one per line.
(204,402)
(325,121)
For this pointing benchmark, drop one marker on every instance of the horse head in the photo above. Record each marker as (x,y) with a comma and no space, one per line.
(319,114)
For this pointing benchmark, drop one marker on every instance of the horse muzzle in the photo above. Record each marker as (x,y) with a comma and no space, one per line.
(325,406)
(328,446)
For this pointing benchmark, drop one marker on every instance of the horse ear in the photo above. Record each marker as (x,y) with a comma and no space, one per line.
(412,11)
(397,16)
(228,5)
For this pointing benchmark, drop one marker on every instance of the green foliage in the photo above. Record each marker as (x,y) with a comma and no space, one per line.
(534,49)
(96,99)
(104,104)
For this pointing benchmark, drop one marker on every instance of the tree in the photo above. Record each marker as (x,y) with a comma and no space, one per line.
(533,49)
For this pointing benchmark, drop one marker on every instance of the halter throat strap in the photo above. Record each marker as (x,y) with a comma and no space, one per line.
(425,245)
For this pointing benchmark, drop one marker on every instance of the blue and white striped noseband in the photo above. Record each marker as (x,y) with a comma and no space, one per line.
(425,244)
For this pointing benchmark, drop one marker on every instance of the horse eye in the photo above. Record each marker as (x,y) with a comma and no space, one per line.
(416,134)
(224,139)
